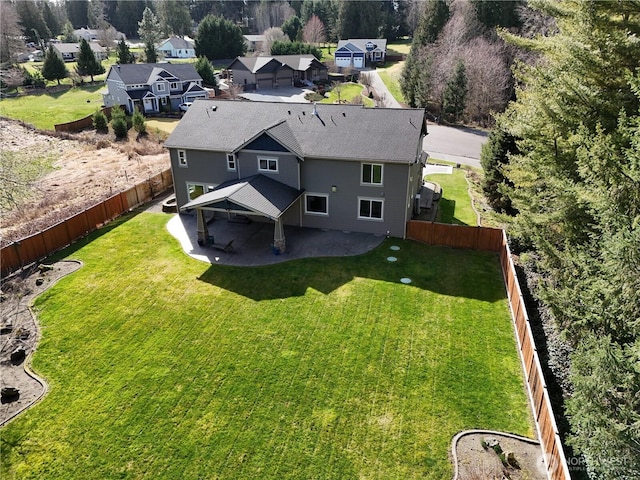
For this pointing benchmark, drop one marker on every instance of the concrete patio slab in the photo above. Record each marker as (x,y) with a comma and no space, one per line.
(252,242)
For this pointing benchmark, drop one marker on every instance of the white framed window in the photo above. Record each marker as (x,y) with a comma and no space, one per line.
(370,208)
(174,86)
(268,164)
(316,204)
(163,100)
(194,190)
(182,158)
(160,87)
(371,174)
(231,162)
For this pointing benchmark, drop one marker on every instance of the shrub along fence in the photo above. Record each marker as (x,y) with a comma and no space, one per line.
(495,240)
(36,247)
(81,123)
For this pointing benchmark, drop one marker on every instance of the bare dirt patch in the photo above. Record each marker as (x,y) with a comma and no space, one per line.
(87,168)
(490,455)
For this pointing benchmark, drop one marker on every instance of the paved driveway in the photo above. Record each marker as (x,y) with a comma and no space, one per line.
(280,94)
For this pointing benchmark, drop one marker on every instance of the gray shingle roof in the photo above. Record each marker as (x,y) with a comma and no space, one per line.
(137,73)
(343,132)
(257,193)
(177,43)
(272,63)
(360,43)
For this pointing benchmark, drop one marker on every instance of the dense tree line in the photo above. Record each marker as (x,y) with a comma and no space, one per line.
(566,158)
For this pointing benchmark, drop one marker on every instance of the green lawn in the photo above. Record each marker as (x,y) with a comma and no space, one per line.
(347,92)
(392,82)
(47,109)
(161,366)
(455,204)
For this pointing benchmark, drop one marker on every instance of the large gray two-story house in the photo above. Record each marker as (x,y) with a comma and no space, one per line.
(341,167)
(152,87)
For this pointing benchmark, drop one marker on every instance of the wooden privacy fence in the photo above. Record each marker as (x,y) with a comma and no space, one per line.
(495,240)
(81,123)
(41,245)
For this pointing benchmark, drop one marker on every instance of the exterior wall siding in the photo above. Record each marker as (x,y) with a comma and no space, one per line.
(247,163)
(318,176)
(203,168)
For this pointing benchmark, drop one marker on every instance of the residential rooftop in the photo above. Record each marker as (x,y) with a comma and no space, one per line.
(344,132)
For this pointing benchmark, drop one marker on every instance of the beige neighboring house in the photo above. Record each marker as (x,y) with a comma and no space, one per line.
(254,42)
(69,51)
(93,35)
(265,72)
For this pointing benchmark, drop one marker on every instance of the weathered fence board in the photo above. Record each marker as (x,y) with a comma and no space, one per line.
(43,244)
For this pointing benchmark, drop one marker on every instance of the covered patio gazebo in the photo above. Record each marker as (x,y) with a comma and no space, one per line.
(256,195)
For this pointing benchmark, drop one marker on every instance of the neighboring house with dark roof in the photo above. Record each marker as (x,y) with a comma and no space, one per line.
(265,72)
(176,47)
(69,51)
(321,166)
(254,42)
(360,53)
(153,87)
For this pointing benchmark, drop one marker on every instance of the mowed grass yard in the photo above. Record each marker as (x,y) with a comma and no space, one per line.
(161,366)
(44,110)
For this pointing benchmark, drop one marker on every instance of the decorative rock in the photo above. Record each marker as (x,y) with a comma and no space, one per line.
(9,393)
(39,281)
(392,259)
(491,442)
(45,268)
(18,354)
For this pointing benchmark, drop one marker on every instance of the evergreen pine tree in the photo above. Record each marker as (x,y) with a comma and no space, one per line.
(119,122)
(53,67)
(124,54)
(150,54)
(205,70)
(455,93)
(100,122)
(87,62)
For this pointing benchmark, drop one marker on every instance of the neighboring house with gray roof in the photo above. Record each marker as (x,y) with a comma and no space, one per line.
(360,53)
(153,87)
(339,167)
(266,72)
(69,52)
(176,47)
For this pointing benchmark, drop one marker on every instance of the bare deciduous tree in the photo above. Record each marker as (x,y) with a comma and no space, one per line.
(9,32)
(488,79)
(269,14)
(273,34)
(314,31)
(12,77)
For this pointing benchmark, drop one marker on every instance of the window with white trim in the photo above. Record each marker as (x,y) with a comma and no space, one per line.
(160,87)
(174,86)
(371,174)
(267,164)
(370,208)
(231,162)
(182,158)
(194,190)
(316,204)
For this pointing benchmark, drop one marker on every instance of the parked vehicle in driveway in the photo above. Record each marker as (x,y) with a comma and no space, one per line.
(184,106)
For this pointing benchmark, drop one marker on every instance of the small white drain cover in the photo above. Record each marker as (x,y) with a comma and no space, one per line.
(391,259)
(394,247)
(405,280)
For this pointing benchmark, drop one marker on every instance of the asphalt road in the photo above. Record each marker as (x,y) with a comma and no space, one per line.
(454,144)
